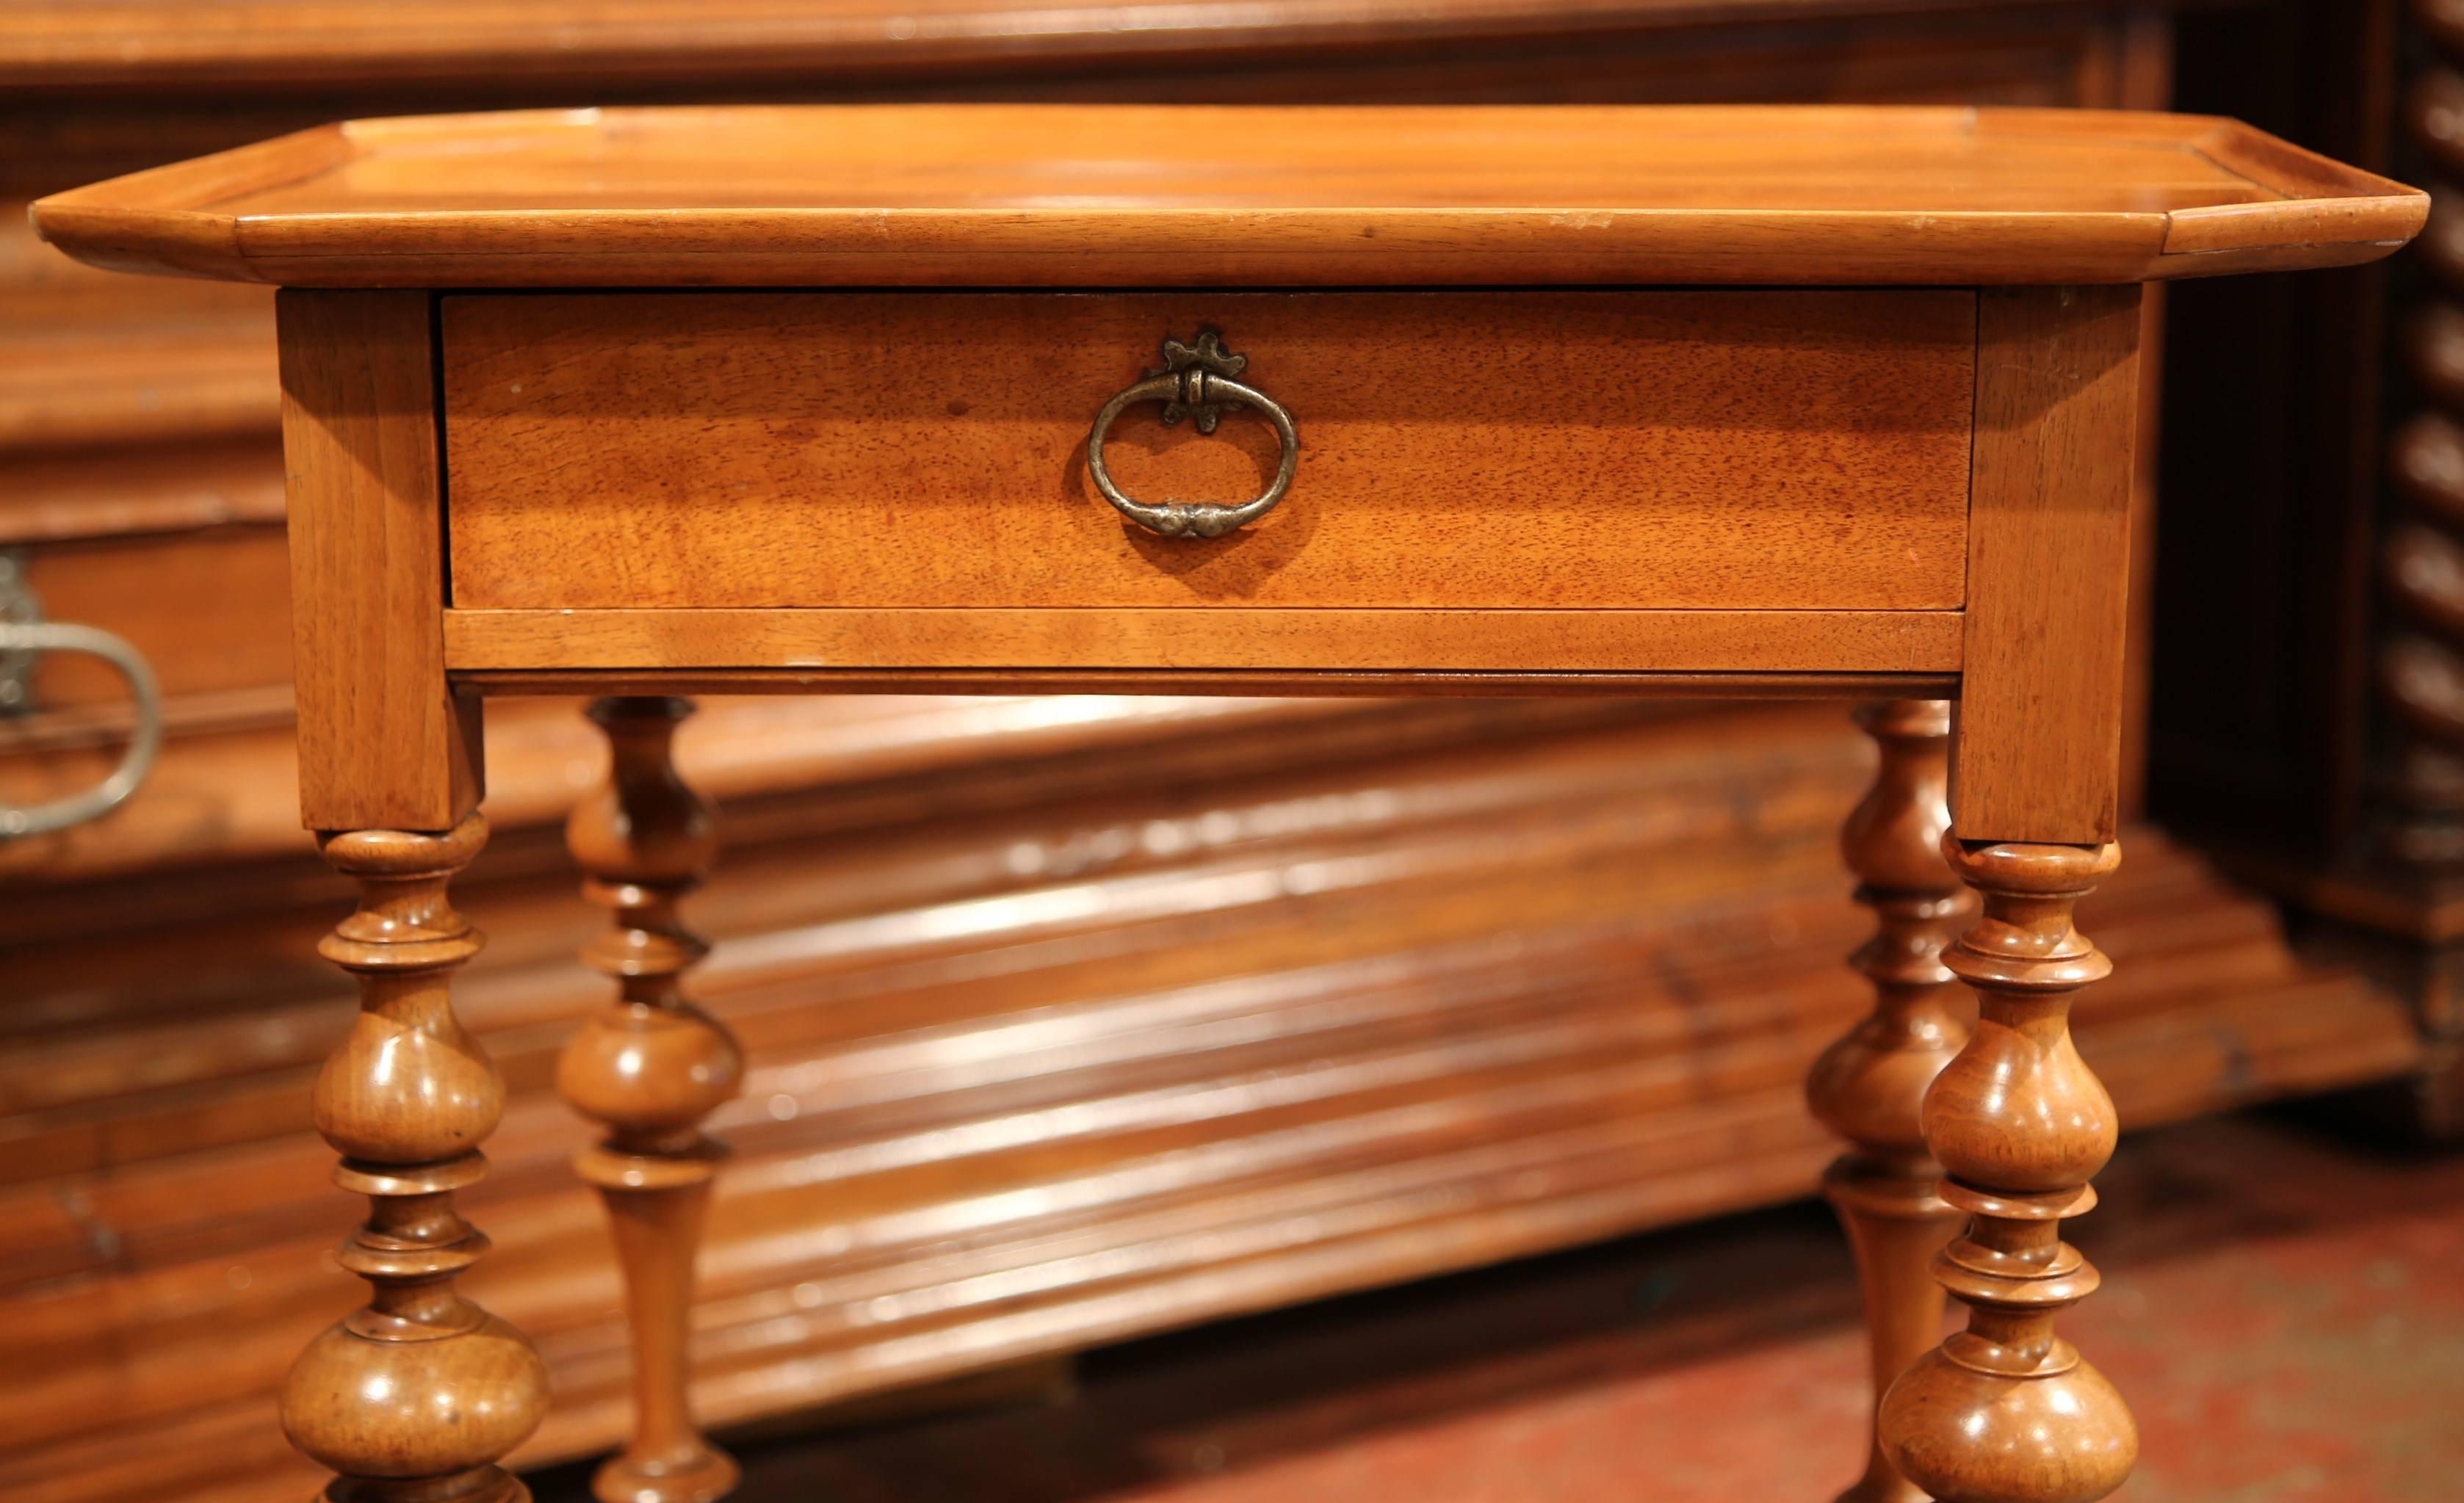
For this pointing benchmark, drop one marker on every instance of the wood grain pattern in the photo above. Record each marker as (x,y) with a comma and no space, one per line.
(1591,914)
(2049,555)
(1283,683)
(187,1276)
(2044,487)
(1735,642)
(1026,195)
(2006,1411)
(415,1396)
(648,1068)
(230,797)
(383,743)
(1740,451)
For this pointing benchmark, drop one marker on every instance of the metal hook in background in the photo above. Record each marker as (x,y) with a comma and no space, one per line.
(24,638)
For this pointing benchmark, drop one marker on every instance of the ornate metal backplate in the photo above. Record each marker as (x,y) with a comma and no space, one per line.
(1196,380)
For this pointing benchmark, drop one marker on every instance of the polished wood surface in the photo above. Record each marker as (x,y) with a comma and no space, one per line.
(419,1396)
(648,1068)
(2007,1411)
(1869,1087)
(1411,987)
(1737,451)
(416,1396)
(1079,196)
(2048,565)
(171,1041)
(1997,1415)
(382,742)
(1285,682)
(1180,640)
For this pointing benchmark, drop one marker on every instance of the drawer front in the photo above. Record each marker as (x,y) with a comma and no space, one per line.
(1731,450)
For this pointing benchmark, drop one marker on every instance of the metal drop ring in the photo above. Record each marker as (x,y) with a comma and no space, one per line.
(1192,388)
(27,639)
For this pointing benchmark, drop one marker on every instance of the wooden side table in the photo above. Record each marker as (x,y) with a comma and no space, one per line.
(1523,400)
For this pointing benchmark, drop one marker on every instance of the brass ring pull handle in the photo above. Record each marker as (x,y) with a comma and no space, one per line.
(1197,379)
(23,641)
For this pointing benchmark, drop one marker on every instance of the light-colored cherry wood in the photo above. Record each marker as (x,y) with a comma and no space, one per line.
(1726,845)
(383,743)
(1123,200)
(1740,451)
(1168,640)
(2048,565)
(413,1398)
(1029,195)
(2006,1411)
(1870,1087)
(1282,683)
(648,1068)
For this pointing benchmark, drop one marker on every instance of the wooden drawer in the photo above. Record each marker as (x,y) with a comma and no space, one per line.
(1512,450)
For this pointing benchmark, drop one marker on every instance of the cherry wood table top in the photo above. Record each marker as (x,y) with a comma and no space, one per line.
(1078,195)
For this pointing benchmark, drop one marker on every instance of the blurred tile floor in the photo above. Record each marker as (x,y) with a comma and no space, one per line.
(2284,1309)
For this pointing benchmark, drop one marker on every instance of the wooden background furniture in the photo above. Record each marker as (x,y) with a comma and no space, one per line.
(1980,442)
(161,1021)
(2325,770)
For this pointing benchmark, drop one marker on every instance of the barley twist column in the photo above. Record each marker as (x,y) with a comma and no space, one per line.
(1868,1087)
(413,1398)
(2421,651)
(2006,1411)
(648,1068)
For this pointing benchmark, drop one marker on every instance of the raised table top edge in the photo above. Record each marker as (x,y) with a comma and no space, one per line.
(192,218)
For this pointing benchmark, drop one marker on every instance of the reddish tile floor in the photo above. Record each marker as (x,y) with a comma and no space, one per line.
(2286,1312)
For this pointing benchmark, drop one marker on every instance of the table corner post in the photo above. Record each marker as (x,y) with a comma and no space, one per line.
(419,1393)
(2006,1411)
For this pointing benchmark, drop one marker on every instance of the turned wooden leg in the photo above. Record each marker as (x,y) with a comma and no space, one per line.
(413,1398)
(2006,1411)
(650,1068)
(1868,1087)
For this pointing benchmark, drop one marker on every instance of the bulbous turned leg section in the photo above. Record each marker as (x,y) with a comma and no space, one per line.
(1868,1087)
(648,1068)
(2006,1411)
(414,1397)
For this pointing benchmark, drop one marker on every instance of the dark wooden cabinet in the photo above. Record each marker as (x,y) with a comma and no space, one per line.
(1379,989)
(2326,767)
